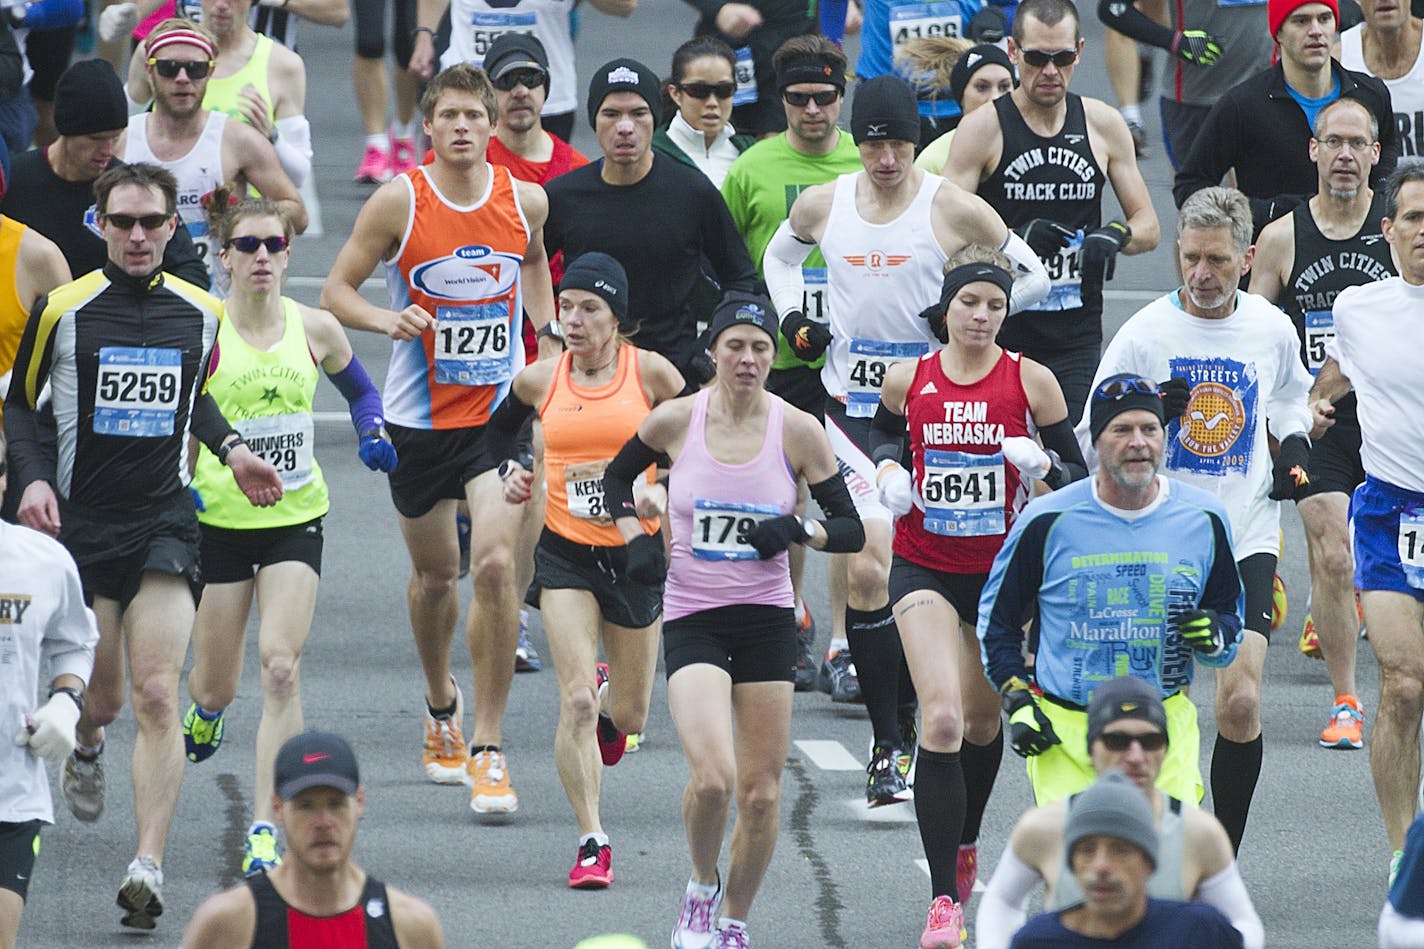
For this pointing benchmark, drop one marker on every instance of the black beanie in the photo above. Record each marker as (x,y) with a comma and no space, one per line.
(1122,393)
(89,99)
(623,75)
(739,307)
(599,274)
(971,62)
(885,108)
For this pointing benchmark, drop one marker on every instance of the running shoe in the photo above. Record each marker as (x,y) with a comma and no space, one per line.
(1347,725)
(1394,862)
(375,167)
(1279,607)
(402,155)
(885,785)
(83,786)
(634,742)
(593,870)
(490,791)
(806,672)
(444,757)
(733,936)
(612,744)
(462,535)
(526,657)
(1309,642)
(838,678)
(944,928)
(141,894)
(202,736)
(1139,146)
(259,851)
(966,870)
(697,923)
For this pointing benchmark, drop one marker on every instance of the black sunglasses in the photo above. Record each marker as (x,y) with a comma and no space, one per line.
(822,98)
(1121,741)
(125,222)
(1118,388)
(1038,58)
(169,68)
(249,245)
(528,78)
(701,90)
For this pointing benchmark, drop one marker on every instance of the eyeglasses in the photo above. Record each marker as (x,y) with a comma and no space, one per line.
(1118,388)
(528,78)
(249,245)
(1334,143)
(1038,58)
(1121,741)
(125,222)
(169,68)
(701,90)
(822,98)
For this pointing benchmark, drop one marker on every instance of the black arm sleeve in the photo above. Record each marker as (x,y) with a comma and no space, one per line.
(208,425)
(632,460)
(887,435)
(180,258)
(1069,466)
(845,534)
(29,462)
(1124,17)
(507,427)
(1222,591)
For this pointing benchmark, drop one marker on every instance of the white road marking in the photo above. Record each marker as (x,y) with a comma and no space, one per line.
(828,755)
(888,814)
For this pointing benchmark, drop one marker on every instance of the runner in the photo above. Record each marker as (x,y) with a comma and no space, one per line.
(730,632)
(263,375)
(589,402)
(699,132)
(971,477)
(461,243)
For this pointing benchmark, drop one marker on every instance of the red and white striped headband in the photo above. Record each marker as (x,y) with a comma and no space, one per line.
(173,37)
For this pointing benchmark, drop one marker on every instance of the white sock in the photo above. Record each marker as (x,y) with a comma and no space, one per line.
(403,130)
(703,889)
(600,839)
(1131,114)
(377,141)
(838,643)
(727,922)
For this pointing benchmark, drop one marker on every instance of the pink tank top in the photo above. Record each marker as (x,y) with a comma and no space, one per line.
(711,507)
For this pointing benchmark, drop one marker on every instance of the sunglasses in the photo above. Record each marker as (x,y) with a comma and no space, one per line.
(125,222)
(249,245)
(528,78)
(1118,388)
(1038,58)
(822,99)
(701,90)
(169,68)
(1121,741)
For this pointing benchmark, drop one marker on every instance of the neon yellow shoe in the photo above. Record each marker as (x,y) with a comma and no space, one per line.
(1279,607)
(1309,643)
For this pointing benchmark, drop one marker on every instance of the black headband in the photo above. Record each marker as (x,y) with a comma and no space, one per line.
(808,69)
(956,280)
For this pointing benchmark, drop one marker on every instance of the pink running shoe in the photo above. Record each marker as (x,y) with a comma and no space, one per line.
(944,929)
(697,923)
(593,870)
(402,155)
(611,742)
(375,167)
(966,870)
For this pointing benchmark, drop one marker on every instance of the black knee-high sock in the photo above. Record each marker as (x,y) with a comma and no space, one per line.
(939,808)
(981,768)
(909,698)
(875,647)
(1235,768)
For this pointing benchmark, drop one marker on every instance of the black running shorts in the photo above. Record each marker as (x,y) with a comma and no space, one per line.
(750,642)
(233,556)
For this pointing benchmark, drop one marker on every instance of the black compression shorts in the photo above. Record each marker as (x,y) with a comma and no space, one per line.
(233,556)
(750,642)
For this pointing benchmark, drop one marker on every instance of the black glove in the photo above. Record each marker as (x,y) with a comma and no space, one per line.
(775,534)
(1197,47)
(1176,395)
(1045,238)
(1030,731)
(1290,473)
(646,561)
(699,370)
(1100,250)
(807,338)
(1201,629)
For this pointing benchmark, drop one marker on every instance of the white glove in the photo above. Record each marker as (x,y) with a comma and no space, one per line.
(117,20)
(896,492)
(1025,455)
(49,730)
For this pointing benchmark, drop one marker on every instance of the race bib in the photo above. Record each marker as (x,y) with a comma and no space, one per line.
(198,230)
(472,345)
(136,394)
(745,74)
(284,441)
(1319,330)
(1411,543)
(912,21)
(963,493)
(1065,270)
(869,360)
(813,298)
(486,27)
(720,528)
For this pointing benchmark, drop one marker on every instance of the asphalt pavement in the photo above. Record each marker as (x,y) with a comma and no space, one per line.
(1314,856)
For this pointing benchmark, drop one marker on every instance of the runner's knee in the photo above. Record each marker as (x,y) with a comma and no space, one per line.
(279,674)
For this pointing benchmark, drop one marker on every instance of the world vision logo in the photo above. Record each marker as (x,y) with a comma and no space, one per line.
(877,262)
(1213,420)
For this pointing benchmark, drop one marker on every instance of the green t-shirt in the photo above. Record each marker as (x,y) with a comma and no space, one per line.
(760,188)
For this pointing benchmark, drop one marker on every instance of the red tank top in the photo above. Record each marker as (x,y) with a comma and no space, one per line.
(367,925)
(966,496)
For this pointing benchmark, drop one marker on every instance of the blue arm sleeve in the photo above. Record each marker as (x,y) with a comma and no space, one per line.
(1012,587)
(833,17)
(355,386)
(53,14)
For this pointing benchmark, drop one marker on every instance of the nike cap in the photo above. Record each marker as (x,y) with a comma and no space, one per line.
(1125,697)
(315,760)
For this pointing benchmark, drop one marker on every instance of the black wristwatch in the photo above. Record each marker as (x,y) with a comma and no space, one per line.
(73,693)
(552,329)
(506,466)
(226,447)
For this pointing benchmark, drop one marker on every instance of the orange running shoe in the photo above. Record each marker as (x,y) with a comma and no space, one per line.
(1346,730)
(445,755)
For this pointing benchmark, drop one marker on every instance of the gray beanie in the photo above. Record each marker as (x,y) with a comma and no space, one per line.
(1112,807)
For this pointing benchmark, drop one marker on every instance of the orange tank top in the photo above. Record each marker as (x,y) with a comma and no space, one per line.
(583,430)
(14,312)
(461,265)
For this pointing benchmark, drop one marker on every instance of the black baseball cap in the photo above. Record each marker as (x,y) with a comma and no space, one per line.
(315,759)
(512,51)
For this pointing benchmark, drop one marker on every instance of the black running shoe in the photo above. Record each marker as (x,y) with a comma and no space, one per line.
(886,785)
(838,678)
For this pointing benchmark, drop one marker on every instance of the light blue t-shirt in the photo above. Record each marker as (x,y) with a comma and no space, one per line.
(1312,107)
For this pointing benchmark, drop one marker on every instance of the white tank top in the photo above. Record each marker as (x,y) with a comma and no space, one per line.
(879,276)
(474,24)
(198,173)
(1406,93)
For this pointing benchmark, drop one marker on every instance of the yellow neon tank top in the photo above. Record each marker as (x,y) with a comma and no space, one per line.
(222,94)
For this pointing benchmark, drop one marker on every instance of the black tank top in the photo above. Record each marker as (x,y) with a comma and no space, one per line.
(367,925)
(1322,268)
(1056,178)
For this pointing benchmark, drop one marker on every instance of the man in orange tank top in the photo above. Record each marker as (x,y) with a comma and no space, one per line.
(461,242)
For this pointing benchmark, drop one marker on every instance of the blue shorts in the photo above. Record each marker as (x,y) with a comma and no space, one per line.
(1389,538)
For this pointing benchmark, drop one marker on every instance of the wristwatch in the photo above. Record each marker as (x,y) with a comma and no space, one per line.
(505,467)
(226,448)
(553,329)
(73,693)
(808,527)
